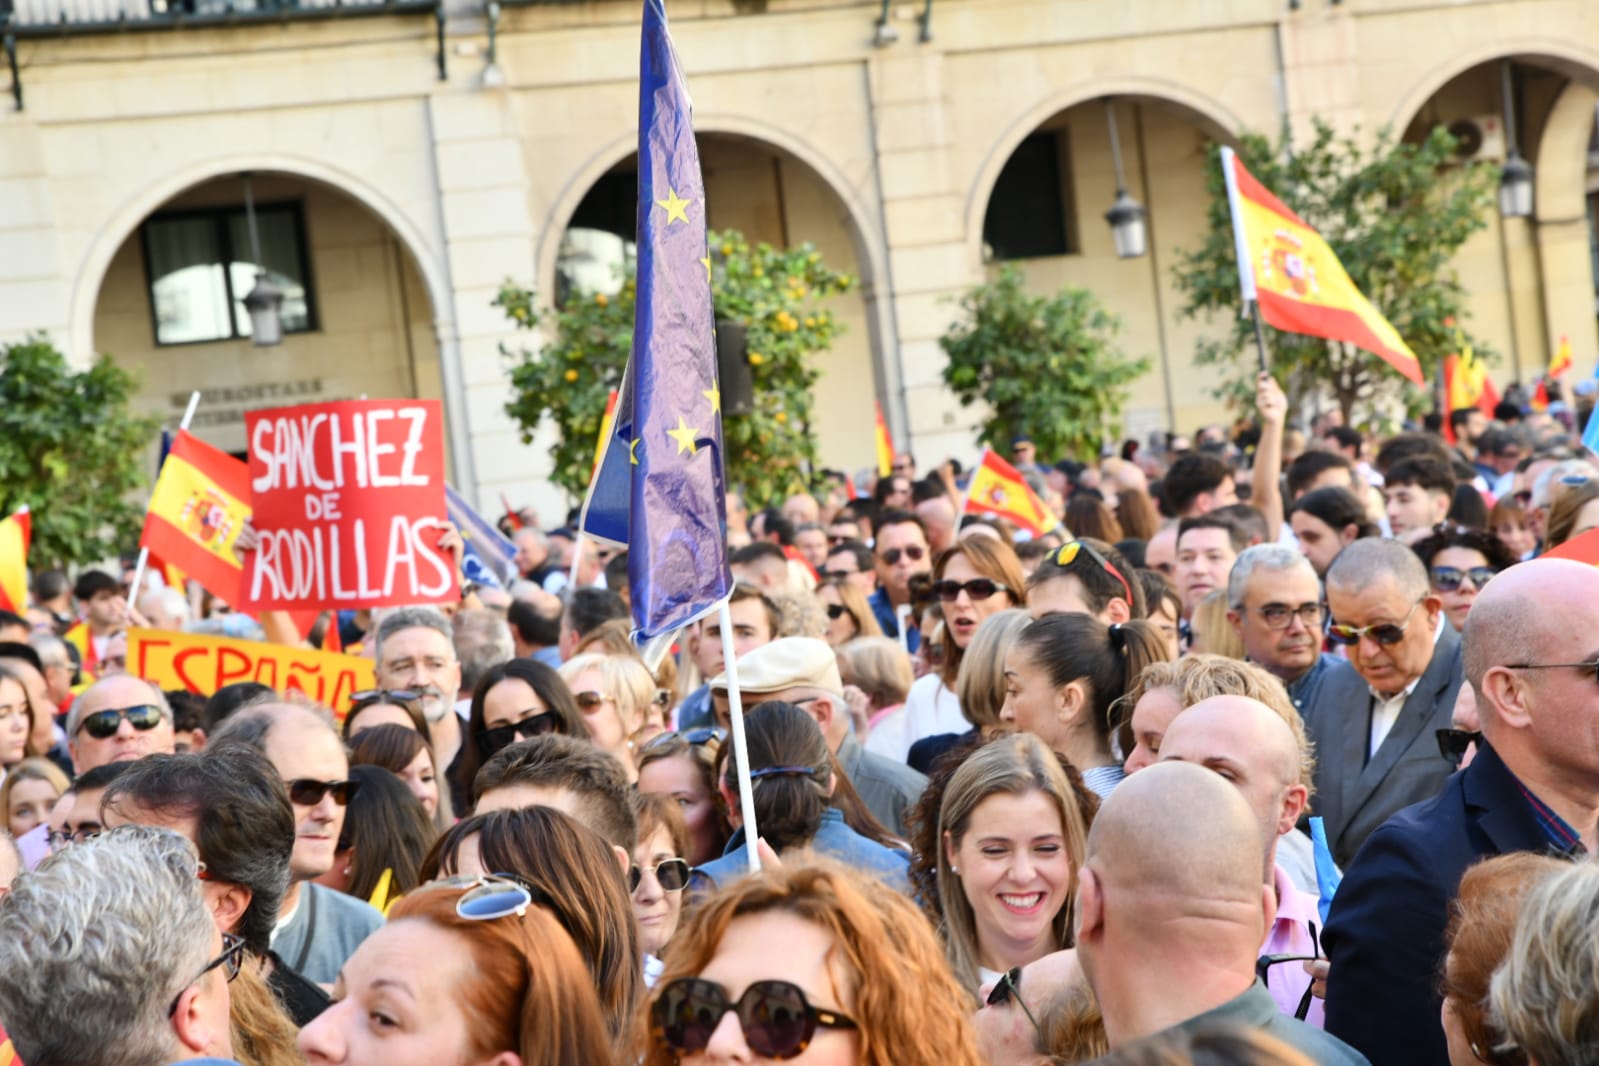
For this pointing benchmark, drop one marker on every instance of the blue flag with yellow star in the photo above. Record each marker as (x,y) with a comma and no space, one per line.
(665,449)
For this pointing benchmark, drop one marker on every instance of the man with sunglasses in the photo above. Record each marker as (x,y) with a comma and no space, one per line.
(117,719)
(1532,658)
(108,955)
(852,560)
(318,928)
(902,553)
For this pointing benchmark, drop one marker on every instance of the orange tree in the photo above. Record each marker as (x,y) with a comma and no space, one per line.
(778,295)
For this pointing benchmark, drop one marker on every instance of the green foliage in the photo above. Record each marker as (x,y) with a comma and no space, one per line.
(1395,214)
(778,295)
(70,449)
(1046,366)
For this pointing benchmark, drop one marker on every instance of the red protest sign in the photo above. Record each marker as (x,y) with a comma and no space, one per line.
(349,505)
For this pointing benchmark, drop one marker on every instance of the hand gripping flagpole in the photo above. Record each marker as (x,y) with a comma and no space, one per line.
(144,553)
(735,713)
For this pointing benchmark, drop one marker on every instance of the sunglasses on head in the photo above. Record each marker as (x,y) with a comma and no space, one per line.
(978,588)
(914,553)
(491,896)
(778,1021)
(1008,988)
(1452,743)
(694,738)
(1071,549)
(589,699)
(671,873)
(308,792)
(1450,578)
(500,737)
(367,697)
(103,724)
(1382,632)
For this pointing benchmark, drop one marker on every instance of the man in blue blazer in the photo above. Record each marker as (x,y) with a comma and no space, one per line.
(1374,726)
(1532,658)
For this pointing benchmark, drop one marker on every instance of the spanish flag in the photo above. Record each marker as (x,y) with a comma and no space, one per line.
(14,535)
(885,446)
(200,504)
(607,420)
(1561,362)
(1287,268)
(997,489)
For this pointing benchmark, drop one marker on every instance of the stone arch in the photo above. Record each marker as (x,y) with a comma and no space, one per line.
(1219,122)
(1581,64)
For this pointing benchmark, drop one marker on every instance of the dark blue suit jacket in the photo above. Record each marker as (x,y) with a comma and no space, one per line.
(1385,935)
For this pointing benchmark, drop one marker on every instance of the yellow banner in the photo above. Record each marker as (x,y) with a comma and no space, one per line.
(205,664)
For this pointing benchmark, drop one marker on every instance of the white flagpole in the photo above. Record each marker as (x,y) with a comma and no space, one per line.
(577,556)
(735,713)
(144,553)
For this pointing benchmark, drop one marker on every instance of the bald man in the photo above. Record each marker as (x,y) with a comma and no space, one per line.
(1256,751)
(1531,649)
(1171,913)
(117,719)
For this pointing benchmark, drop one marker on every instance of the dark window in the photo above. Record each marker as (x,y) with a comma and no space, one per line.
(200,270)
(1026,216)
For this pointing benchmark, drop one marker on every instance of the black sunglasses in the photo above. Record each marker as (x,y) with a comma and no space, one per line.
(914,553)
(103,724)
(500,737)
(308,792)
(1007,988)
(1449,578)
(1452,743)
(671,873)
(231,959)
(978,588)
(835,611)
(366,697)
(777,1020)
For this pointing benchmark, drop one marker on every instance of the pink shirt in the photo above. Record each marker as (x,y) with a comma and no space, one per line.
(1290,935)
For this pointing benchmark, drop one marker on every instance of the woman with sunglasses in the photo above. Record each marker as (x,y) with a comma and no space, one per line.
(974,578)
(1459,563)
(659,873)
(575,875)
(1064,674)
(849,616)
(405,754)
(514,701)
(614,694)
(811,965)
(682,767)
(1011,840)
(476,973)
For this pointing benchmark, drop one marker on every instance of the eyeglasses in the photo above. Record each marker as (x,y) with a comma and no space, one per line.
(671,873)
(231,960)
(838,575)
(490,741)
(589,700)
(1382,632)
(1007,988)
(1452,743)
(366,697)
(1594,666)
(1071,549)
(308,792)
(914,553)
(777,1020)
(60,838)
(103,724)
(1281,616)
(1450,578)
(978,588)
(835,611)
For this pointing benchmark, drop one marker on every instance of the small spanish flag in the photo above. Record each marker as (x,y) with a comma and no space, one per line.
(200,504)
(885,446)
(79,637)
(1288,269)
(1561,361)
(15,533)
(997,488)
(607,420)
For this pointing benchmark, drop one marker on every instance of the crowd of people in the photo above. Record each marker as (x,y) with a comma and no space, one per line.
(1281,748)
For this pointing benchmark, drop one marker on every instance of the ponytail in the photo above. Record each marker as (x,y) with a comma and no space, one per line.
(1079,647)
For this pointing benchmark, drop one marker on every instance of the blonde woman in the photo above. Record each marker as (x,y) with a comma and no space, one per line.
(614,695)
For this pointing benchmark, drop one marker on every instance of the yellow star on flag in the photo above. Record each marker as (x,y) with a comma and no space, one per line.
(632,451)
(684,435)
(707,262)
(676,208)
(715,396)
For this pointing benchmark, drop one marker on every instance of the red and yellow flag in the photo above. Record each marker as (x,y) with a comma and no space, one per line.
(1287,268)
(997,488)
(15,532)
(200,504)
(885,446)
(1561,361)
(79,637)
(607,420)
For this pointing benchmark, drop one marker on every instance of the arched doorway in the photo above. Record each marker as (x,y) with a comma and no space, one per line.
(358,315)
(770,195)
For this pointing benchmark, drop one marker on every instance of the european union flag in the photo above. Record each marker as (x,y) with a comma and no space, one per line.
(666,447)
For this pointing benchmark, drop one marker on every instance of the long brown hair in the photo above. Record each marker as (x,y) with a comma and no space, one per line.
(1073,647)
(992,559)
(882,944)
(526,989)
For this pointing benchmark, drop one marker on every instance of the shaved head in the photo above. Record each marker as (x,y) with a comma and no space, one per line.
(1514,614)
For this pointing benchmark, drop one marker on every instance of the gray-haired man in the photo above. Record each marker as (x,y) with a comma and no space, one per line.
(1275,606)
